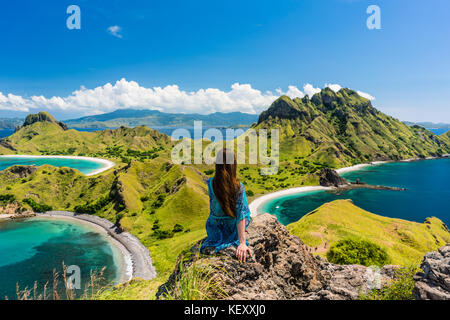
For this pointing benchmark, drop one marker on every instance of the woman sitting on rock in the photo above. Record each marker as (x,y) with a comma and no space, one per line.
(229,212)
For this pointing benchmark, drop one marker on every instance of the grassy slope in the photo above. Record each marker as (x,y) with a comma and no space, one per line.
(406,242)
(308,143)
(50,138)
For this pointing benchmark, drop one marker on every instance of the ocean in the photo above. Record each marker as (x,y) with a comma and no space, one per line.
(83,165)
(30,249)
(427,194)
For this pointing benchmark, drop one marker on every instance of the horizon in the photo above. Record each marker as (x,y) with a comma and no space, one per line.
(220,59)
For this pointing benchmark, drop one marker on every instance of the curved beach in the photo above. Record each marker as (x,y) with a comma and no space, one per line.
(136,261)
(255,204)
(106,164)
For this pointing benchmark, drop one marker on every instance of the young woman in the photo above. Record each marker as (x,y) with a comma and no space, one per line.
(229,213)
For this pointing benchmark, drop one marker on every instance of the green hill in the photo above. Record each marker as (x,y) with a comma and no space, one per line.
(51,137)
(343,128)
(406,242)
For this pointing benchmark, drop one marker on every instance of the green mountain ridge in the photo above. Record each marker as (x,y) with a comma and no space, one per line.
(149,195)
(343,128)
(154,118)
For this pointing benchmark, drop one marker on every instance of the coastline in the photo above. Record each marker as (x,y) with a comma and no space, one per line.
(258,202)
(107,164)
(135,257)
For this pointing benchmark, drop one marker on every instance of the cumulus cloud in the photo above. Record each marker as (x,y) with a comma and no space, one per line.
(335,87)
(125,94)
(365,95)
(310,90)
(115,31)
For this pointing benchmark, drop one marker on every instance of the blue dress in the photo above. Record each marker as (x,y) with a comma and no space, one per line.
(221,228)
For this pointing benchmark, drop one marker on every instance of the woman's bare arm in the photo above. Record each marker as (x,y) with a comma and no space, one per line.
(242,250)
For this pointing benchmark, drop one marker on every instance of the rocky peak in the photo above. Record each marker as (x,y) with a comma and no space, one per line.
(42,117)
(283,267)
(283,108)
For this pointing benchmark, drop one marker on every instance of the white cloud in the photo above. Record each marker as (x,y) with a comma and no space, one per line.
(125,94)
(310,90)
(365,95)
(334,87)
(115,31)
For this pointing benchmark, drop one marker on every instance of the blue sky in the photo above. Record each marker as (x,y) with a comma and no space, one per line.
(200,49)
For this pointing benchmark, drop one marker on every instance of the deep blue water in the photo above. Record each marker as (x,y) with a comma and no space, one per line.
(6,132)
(84,166)
(428,194)
(438,131)
(32,248)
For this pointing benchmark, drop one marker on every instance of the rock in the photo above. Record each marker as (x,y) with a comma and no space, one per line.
(282,267)
(434,282)
(23,171)
(42,117)
(330,178)
(7,145)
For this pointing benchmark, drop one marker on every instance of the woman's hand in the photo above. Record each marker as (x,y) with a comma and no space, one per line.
(241,252)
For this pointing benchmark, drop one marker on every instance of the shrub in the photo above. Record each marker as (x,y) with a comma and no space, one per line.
(250,193)
(159,201)
(177,228)
(163,234)
(92,208)
(209,172)
(356,251)
(37,207)
(7,198)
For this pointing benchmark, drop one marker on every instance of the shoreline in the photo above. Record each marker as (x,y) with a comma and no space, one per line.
(107,164)
(136,261)
(258,202)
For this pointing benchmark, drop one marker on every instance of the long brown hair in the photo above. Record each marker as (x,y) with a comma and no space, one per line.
(225,183)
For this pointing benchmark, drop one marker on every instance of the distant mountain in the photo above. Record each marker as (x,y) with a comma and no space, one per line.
(10,123)
(344,128)
(429,125)
(154,118)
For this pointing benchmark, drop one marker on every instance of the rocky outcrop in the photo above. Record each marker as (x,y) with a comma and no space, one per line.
(283,267)
(330,178)
(42,117)
(23,171)
(434,282)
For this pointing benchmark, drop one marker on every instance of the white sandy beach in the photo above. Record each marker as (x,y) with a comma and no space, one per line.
(106,164)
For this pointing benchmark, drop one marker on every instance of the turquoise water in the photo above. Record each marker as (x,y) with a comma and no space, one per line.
(83,165)
(428,194)
(30,250)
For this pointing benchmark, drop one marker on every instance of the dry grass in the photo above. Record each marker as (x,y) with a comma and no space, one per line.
(63,291)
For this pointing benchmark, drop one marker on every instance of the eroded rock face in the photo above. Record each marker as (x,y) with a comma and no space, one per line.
(283,267)
(330,178)
(22,171)
(434,282)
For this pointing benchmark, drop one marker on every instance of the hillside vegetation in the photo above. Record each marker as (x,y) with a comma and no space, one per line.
(405,242)
(166,205)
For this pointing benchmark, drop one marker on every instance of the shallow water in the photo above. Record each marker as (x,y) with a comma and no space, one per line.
(428,194)
(83,165)
(30,250)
